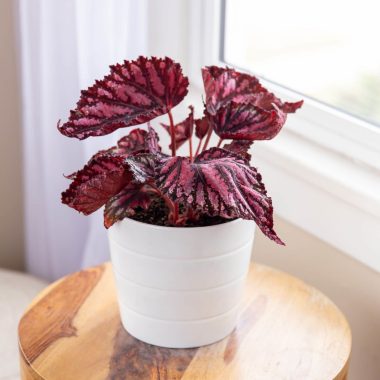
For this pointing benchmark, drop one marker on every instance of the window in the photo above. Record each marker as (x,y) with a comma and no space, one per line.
(327,50)
(325,164)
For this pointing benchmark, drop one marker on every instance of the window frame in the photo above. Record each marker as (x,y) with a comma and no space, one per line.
(324,160)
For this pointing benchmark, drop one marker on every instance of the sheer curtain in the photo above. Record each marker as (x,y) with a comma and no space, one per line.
(64,46)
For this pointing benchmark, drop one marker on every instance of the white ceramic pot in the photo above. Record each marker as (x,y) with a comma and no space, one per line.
(180,287)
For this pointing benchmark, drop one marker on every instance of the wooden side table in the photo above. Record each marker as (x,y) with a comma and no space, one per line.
(287,330)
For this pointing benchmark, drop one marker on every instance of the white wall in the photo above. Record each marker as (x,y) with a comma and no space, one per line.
(353,287)
(11,224)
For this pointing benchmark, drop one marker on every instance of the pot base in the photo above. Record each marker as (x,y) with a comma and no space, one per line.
(178,334)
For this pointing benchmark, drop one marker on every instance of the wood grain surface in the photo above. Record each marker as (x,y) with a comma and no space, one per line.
(287,330)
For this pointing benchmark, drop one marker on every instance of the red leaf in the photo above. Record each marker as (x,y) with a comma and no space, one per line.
(247,122)
(266,100)
(221,183)
(134,194)
(142,167)
(183,130)
(223,85)
(138,141)
(201,127)
(152,142)
(240,147)
(125,202)
(133,93)
(102,178)
(288,107)
(135,141)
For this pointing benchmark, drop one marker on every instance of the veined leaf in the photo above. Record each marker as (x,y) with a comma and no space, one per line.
(133,93)
(218,182)
(247,122)
(153,141)
(240,147)
(98,181)
(223,85)
(105,176)
(142,167)
(124,203)
(135,141)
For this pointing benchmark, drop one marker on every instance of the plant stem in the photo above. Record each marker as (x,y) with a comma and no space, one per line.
(192,132)
(207,139)
(191,148)
(219,143)
(172,133)
(191,214)
(172,206)
(198,147)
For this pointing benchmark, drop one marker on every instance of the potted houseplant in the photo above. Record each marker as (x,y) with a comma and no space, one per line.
(180,228)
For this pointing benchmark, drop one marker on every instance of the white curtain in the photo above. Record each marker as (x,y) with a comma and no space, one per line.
(64,46)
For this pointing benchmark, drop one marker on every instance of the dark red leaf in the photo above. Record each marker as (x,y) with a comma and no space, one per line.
(133,93)
(135,141)
(288,107)
(141,167)
(183,130)
(104,176)
(221,183)
(247,122)
(138,141)
(240,147)
(135,193)
(96,183)
(94,159)
(153,141)
(125,202)
(223,85)
(266,100)
(201,127)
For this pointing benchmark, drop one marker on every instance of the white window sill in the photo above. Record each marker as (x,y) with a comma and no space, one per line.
(319,191)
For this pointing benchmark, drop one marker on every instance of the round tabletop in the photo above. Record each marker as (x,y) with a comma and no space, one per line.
(286,330)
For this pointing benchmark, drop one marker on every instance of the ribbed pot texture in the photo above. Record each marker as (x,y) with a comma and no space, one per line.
(180,287)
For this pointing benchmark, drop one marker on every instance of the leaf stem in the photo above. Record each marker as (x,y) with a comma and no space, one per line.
(219,143)
(172,134)
(172,206)
(191,148)
(192,132)
(198,147)
(207,139)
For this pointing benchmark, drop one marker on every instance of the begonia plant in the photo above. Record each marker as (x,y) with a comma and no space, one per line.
(132,176)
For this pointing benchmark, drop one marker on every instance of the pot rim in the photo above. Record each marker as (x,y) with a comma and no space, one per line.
(166,228)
